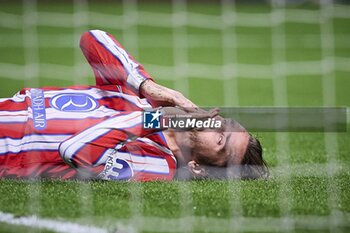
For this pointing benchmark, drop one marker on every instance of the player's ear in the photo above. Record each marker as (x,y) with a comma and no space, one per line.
(196,169)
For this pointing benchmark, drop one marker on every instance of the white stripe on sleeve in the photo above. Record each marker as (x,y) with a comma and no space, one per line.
(70,147)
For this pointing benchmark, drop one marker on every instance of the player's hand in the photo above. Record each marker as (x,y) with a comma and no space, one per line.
(202,114)
(178,99)
(199,114)
(162,96)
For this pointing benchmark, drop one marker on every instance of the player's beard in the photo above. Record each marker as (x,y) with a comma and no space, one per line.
(195,143)
(193,138)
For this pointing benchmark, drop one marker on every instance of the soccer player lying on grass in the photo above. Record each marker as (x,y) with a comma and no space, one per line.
(97,131)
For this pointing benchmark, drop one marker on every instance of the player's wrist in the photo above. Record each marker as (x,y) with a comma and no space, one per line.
(144,86)
(155,92)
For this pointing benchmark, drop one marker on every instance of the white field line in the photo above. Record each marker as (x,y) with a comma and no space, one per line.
(243,224)
(49,224)
(199,223)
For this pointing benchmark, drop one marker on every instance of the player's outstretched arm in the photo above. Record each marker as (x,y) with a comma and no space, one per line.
(163,96)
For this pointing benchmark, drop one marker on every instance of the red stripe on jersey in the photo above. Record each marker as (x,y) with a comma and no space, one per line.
(102,61)
(12,130)
(39,170)
(156,137)
(143,149)
(43,164)
(92,151)
(140,68)
(131,161)
(14,163)
(106,66)
(28,157)
(64,126)
(10,105)
(118,103)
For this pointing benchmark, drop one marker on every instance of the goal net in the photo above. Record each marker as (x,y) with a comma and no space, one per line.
(277,53)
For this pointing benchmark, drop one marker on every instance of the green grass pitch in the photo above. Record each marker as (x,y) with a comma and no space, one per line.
(199,206)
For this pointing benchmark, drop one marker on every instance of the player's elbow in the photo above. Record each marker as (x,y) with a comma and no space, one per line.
(84,39)
(64,150)
(87,40)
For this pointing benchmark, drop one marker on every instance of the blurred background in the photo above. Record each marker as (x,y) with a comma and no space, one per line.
(218,53)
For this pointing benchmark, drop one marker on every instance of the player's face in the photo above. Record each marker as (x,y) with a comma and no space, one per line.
(227,144)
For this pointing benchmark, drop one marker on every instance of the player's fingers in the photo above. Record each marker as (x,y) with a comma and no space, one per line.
(191,107)
(201,113)
(214,112)
(181,101)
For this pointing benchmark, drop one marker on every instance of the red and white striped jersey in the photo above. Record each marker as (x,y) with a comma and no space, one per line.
(87,127)
(85,130)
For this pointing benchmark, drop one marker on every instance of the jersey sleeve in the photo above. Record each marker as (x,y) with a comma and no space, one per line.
(88,147)
(139,160)
(110,62)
